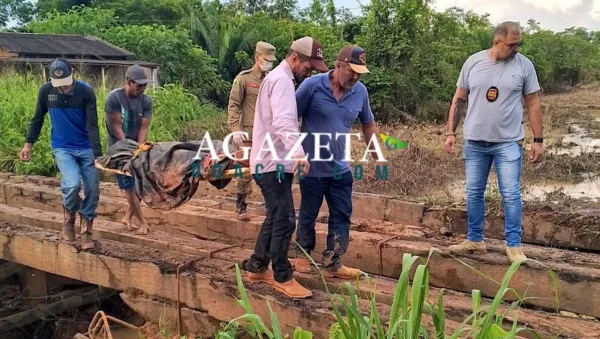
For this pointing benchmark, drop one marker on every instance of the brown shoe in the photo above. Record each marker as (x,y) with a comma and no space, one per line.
(302,265)
(292,289)
(266,277)
(241,213)
(343,272)
(68,229)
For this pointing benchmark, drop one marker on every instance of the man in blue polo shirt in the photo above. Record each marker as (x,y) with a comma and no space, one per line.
(75,144)
(330,103)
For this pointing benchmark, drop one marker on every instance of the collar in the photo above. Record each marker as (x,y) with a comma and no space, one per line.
(258,74)
(327,84)
(286,68)
(72,92)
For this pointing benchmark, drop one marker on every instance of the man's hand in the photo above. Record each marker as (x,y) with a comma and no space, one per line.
(300,161)
(24,155)
(449,144)
(238,139)
(536,152)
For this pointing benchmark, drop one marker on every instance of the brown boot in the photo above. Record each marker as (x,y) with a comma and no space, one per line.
(86,233)
(68,229)
(292,289)
(343,273)
(468,247)
(302,264)
(266,277)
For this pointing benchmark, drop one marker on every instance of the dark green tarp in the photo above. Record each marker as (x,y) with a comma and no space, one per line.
(167,175)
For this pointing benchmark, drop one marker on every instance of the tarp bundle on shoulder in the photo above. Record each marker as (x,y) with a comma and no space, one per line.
(167,174)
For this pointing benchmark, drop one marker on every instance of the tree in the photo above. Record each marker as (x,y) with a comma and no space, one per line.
(18,11)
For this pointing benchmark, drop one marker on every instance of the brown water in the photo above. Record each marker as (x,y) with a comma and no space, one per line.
(577,142)
(125,333)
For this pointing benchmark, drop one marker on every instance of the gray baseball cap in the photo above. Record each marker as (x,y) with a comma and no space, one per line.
(137,74)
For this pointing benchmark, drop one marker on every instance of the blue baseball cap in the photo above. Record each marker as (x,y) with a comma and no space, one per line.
(60,73)
(355,57)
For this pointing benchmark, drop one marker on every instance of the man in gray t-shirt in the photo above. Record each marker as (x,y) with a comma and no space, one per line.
(495,82)
(128,113)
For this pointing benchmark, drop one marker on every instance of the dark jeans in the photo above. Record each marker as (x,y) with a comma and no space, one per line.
(338,193)
(273,242)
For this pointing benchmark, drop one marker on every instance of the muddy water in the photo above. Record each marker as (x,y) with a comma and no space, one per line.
(577,142)
(125,333)
(588,189)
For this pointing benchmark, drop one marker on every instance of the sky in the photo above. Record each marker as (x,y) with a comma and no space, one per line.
(555,15)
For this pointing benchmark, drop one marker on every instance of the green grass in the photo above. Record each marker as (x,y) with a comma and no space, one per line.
(408,308)
(178,116)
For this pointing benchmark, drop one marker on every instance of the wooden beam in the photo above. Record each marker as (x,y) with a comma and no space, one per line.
(103,78)
(33,286)
(45,311)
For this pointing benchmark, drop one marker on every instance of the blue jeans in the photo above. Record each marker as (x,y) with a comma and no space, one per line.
(506,156)
(338,193)
(75,165)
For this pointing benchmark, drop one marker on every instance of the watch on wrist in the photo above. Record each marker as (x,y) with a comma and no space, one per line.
(538,140)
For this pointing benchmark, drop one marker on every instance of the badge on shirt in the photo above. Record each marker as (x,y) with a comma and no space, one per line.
(249,84)
(492,94)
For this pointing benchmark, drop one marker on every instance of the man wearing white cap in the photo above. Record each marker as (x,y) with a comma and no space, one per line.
(75,144)
(276,119)
(241,108)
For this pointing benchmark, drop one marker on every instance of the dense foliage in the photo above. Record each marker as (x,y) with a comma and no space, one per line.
(414,52)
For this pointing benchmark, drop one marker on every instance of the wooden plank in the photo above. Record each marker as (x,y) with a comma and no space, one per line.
(578,273)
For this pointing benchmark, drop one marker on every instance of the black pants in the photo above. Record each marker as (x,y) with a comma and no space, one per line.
(338,193)
(273,241)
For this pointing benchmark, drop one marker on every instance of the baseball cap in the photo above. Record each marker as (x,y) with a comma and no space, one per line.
(137,74)
(60,73)
(311,48)
(266,50)
(355,56)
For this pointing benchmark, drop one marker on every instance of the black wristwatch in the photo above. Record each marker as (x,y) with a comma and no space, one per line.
(538,140)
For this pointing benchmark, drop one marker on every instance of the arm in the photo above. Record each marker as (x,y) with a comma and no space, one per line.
(234,109)
(35,126)
(285,114)
(369,128)
(303,95)
(534,110)
(91,115)
(112,107)
(457,110)
(146,117)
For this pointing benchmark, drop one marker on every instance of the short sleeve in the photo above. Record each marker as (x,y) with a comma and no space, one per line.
(303,95)
(531,81)
(112,105)
(147,108)
(366,115)
(463,77)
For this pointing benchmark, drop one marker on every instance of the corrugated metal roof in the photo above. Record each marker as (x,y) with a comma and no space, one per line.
(47,61)
(56,45)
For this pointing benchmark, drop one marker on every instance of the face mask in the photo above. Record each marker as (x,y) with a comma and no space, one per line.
(266,66)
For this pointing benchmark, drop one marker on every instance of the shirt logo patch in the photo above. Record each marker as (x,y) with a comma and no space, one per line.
(249,84)
(52,97)
(58,73)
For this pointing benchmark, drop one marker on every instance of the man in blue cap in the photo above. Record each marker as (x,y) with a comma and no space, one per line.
(330,103)
(75,144)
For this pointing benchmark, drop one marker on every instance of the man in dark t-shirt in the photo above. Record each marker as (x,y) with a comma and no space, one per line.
(128,113)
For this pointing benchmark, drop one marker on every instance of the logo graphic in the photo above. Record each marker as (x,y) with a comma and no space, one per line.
(392,142)
(363,58)
(319,53)
(58,72)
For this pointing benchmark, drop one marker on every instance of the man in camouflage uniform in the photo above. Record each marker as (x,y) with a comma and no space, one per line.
(242,104)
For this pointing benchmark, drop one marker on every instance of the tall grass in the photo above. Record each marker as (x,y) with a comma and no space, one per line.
(178,116)
(410,304)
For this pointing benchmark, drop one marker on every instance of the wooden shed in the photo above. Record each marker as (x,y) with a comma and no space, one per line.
(94,60)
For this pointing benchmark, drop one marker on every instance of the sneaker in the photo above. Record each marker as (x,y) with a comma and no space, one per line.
(343,273)
(292,289)
(241,206)
(302,265)
(256,278)
(467,246)
(515,254)
(68,229)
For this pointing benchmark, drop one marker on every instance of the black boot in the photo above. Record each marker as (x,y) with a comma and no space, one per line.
(241,212)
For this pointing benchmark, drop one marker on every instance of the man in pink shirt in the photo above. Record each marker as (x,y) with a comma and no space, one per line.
(275,159)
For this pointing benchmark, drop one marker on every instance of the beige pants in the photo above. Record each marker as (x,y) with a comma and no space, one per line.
(243,185)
